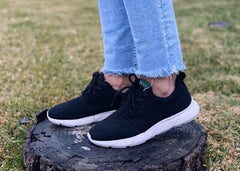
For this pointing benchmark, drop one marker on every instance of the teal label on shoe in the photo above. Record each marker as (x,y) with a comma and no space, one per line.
(144,84)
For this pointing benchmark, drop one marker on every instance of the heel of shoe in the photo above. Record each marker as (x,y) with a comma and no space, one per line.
(188,114)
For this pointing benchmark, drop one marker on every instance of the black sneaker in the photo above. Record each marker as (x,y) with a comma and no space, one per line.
(94,105)
(144,115)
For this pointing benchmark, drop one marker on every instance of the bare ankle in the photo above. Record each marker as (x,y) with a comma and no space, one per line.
(162,87)
(117,82)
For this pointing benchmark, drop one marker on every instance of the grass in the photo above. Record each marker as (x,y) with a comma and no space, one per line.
(49,49)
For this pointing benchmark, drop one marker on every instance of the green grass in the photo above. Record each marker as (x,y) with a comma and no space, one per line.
(49,49)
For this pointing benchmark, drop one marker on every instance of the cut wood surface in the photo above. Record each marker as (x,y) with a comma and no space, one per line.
(52,147)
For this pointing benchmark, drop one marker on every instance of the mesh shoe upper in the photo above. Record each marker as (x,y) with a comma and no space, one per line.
(140,111)
(96,98)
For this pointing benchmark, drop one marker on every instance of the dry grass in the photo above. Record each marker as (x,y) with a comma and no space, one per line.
(220,116)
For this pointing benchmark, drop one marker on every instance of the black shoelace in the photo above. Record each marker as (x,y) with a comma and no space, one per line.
(134,95)
(95,85)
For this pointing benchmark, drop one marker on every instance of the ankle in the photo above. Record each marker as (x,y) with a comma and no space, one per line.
(117,82)
(162,87)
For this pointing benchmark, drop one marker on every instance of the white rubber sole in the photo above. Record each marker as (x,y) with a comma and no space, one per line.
(178,119)
(82,121)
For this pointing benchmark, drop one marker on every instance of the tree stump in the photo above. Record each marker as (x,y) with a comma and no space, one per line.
(50,147)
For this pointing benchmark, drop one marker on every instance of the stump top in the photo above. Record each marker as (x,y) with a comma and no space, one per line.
(52,146)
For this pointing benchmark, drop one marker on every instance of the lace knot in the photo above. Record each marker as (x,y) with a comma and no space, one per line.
(95,84)
(134,95)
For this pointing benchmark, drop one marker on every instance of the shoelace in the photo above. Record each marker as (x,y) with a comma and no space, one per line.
(134,95)
(95,84)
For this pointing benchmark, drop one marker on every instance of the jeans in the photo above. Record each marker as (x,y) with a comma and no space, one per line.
(141,37)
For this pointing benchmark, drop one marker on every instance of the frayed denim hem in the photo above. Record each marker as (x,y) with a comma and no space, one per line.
(158,73)
(118,72)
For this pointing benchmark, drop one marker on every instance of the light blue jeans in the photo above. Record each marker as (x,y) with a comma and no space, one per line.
(141,37)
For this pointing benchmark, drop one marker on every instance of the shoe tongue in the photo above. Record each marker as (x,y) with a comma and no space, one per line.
(143,84)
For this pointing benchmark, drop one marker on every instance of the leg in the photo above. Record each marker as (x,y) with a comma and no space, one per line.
(119,49)
(157,42)
(117,38)
(98,100)
(155,35)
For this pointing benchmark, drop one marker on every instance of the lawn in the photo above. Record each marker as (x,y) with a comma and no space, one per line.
(49,49)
